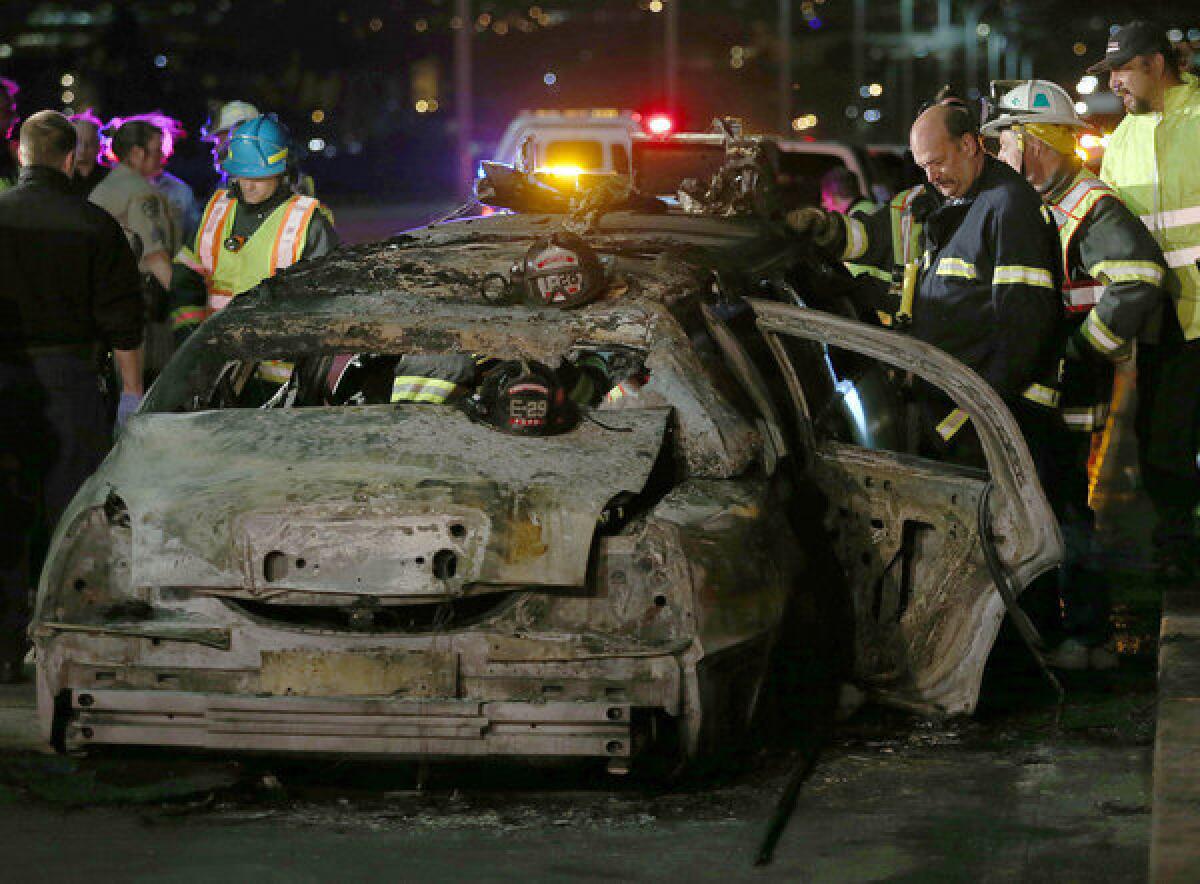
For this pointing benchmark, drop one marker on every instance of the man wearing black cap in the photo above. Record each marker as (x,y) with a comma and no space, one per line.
(1151,163)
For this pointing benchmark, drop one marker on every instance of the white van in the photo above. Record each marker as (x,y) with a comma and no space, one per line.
(571,141)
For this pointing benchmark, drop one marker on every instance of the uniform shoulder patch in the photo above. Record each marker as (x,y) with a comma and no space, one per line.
(150,207)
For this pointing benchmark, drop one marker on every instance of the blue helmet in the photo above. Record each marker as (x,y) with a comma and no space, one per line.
(258,148)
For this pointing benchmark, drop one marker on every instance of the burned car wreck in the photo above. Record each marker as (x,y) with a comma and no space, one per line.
(322,569)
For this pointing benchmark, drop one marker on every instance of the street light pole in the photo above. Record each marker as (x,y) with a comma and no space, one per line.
(945,44)
(672,55)
(971,47)
(463,103)
(785,65)
(908,85)
(860,47)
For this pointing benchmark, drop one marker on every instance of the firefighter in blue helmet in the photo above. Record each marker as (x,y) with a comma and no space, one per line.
(250,230)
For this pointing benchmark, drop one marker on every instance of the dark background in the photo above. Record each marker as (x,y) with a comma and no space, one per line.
(365,65)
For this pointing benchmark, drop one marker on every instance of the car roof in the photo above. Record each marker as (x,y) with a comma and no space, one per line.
(437,272)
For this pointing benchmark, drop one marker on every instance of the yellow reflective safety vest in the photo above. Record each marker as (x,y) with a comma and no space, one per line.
(1086,389)
(1152,164)
(277,243)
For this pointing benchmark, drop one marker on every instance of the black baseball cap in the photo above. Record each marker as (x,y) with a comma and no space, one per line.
(1131,40)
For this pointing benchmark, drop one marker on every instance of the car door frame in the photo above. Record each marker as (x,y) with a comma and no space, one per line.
(938,639)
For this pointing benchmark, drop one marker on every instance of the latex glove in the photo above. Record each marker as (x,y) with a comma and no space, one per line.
(826,229)
(127,406)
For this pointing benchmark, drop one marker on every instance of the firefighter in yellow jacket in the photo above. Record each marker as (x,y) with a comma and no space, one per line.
(1112,297)
(1151,163)
(248,232)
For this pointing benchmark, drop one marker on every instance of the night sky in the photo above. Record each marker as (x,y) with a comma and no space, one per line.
(369,84)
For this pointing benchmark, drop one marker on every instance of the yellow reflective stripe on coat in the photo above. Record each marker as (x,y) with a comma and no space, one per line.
(1103,339)
(951,424)
(856,239)
(1085,419)
(412,388)
(1128,271)
(1172,218)
(868,270)
(1042,395)
(956,267)
(275,372)
(1018,274)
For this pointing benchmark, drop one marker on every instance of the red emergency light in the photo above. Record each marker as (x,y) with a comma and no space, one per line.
(659,124)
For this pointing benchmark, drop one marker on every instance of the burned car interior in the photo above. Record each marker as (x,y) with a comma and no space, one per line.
(582,540)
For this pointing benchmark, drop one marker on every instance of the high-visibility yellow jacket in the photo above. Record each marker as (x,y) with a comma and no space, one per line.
(1151,162)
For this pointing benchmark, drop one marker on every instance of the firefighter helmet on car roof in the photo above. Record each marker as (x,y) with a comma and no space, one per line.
(562,270)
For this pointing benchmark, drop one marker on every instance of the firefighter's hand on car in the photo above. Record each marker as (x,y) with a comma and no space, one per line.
(825,229)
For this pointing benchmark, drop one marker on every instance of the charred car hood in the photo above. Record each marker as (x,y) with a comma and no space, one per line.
(363,500)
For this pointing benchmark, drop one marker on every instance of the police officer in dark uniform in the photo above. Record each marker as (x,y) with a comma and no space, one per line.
(69,289)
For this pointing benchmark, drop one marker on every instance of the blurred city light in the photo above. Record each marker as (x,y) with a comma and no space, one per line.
(318,116)
(1081,107)
(67,80)
(550,78)
(1087,84)
(983,30)
(871,115)
(656,6)
(875,90)
(316,145)
(160,61)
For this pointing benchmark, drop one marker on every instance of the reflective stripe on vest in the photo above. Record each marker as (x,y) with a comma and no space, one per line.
(287,243)
(1079,295)
(212,226)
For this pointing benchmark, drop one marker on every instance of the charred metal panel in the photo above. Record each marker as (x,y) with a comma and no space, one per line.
(527,506)
(305,673)
(404,728)
(922,640)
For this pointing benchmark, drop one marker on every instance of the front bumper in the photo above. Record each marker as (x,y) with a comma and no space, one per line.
(357,726)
